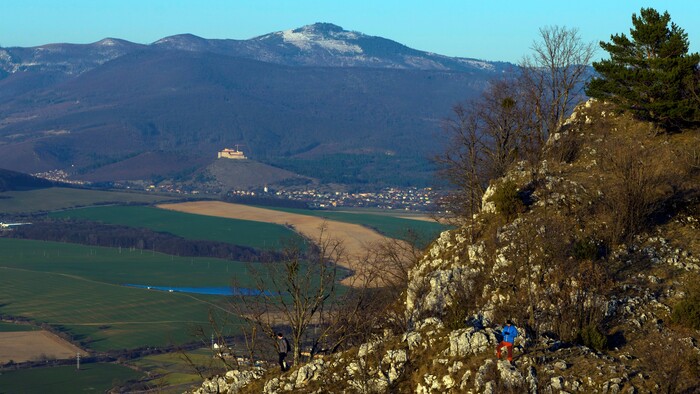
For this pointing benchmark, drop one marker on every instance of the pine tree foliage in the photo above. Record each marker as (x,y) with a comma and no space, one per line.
(652,74)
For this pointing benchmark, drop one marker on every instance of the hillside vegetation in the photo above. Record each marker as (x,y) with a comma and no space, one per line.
(582,231)
(11,180)
(594,258)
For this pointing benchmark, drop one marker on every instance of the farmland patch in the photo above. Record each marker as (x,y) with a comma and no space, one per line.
(20,346)
(256,234)
(55,198)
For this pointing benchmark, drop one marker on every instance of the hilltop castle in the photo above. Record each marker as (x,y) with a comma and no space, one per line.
(227,153)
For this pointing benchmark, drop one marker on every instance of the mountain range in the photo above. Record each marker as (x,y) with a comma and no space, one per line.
(116,110)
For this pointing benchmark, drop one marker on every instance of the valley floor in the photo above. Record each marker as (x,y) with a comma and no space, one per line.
(356,239)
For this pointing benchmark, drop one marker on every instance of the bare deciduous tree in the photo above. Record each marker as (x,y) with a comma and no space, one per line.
(553,76)
(484,138)
(513,118)
(505,115)
(293,292)
(462,162)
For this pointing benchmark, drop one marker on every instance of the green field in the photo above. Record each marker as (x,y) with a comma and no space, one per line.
(78,289)
(55,198)
(91,378)
(190,226)
(385,223)
(173,369)
(12,327)
(118,266)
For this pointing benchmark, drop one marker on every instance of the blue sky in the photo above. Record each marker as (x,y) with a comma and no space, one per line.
(484,29)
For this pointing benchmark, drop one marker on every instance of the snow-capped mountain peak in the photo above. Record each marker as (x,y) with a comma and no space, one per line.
(324,35)
(318,44)
(108,42)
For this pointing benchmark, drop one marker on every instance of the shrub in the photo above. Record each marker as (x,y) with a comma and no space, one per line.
(463,305)
(592,337)
(687,311)
(639,180)
(585,249)
(507,200)
(566,149)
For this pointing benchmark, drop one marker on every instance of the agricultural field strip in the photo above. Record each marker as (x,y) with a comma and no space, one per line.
(62,274)
(110,265)
(386,223)
(420,218)
(56,198)
(256,234)
(118,286)
(356,238)
(92,378)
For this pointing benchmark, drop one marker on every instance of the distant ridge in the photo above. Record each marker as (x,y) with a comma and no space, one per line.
(318,44)
(297,99)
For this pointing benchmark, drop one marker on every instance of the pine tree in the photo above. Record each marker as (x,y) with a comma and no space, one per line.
(651,75)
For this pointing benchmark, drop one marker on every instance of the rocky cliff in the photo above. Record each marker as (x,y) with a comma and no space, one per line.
(594,259)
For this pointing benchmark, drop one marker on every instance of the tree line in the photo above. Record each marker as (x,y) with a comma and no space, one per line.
(115,236)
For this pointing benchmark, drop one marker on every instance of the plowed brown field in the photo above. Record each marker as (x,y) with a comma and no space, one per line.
(33,346)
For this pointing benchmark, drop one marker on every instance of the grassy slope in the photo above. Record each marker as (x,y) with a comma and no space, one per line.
(173,369)
(92,378)
(239,232)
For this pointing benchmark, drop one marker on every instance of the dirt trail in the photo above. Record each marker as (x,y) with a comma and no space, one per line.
(355,238)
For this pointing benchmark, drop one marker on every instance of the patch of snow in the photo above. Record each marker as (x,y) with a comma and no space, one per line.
(305,40)
(56,132)
(169,40)
(348,35)
(182,43)
(423,63)
(5,56)
(107,42)
(477,63)
(51,48)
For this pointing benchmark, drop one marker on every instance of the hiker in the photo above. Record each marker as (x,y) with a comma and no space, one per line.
(509,333)
(283,348)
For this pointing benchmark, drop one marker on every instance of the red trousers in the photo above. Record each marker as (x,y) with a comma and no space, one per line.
(508,346)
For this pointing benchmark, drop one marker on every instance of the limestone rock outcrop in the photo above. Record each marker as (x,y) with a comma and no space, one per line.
(473,277)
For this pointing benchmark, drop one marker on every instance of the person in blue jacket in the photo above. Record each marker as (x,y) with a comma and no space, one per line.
(509,333)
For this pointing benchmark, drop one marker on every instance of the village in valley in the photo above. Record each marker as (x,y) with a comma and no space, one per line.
(324,197)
